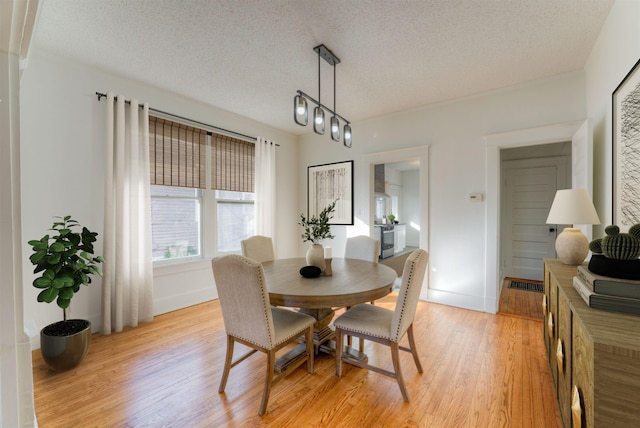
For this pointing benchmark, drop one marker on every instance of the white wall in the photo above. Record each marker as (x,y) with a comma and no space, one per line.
(613,55)
(455,132)
(62,173)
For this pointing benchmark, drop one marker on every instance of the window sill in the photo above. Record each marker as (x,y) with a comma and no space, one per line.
(180,267)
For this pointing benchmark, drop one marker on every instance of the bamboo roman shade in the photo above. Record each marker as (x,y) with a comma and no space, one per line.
(177,155)
(233,163)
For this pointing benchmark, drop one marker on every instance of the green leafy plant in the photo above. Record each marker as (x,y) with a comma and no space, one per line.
(66,261)
(317,228)
(391,217)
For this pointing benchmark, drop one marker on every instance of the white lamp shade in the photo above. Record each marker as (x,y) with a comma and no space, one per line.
(572,206)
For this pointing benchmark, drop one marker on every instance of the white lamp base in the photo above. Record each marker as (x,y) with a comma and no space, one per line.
(572,246)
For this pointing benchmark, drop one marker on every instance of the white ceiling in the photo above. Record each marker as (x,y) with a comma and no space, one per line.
(250,56)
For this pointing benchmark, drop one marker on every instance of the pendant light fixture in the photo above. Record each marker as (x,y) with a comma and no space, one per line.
(301,108)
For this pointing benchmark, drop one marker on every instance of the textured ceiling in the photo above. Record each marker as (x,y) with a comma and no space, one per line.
(250,56)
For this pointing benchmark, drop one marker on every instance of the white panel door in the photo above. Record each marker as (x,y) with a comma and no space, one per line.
(529,189)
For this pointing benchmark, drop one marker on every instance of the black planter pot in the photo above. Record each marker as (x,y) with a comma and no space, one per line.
(65,343)
(624,269)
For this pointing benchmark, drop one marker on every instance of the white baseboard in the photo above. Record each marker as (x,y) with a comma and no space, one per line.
(179,301)
(464,301)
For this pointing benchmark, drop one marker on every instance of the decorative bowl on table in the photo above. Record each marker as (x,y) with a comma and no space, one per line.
(310,271)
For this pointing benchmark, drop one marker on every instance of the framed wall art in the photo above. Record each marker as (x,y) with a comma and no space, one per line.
(327,183)
(626,150)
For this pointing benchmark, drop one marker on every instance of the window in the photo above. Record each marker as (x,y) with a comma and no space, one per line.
(175,221)
(235,219)
(202,192)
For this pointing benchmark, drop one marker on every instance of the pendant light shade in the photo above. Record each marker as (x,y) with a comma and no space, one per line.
(300,110)
(318,120)
(347,136)
(335,129)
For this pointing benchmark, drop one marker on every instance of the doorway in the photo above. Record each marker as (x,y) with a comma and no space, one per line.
(531,177)
(413,165)
(580,134)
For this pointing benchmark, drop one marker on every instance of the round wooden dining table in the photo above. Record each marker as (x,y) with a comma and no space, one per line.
(352,282)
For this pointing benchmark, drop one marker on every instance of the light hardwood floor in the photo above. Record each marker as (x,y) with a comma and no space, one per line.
(480,370)
(521,303)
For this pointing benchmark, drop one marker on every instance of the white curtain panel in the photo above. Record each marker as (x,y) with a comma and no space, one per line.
(127,285)
(265,204)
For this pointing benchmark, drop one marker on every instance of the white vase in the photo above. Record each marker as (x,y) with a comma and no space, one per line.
(315,256)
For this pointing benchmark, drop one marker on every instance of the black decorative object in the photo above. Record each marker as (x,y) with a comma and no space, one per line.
(625,269)
(310,271)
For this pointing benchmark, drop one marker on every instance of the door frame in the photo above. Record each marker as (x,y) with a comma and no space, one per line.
(556,133)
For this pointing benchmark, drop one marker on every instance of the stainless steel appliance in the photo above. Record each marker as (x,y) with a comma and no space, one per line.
(384,233)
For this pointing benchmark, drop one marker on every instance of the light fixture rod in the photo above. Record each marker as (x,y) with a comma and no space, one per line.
(334,86)
(319,92)
(322,105)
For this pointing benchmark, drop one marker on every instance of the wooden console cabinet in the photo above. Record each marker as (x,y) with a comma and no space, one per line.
(594,355)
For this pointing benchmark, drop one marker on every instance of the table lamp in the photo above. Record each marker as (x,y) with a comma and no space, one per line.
(572,206)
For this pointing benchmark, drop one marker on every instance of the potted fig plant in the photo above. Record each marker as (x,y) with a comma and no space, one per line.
(65,261)
(317,228)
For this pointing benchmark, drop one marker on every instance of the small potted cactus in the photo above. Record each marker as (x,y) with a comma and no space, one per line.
(616,254)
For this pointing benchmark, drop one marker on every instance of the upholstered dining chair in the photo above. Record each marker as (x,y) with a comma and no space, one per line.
(365,248)
(385,326)
(251,321)
(362,247)
(259,248)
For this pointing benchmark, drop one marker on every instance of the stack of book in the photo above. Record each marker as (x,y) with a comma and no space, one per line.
(605,292)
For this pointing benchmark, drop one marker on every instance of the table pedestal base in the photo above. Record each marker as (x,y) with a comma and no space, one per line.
(321,330)
(328,347)
(291,357)
(323,336)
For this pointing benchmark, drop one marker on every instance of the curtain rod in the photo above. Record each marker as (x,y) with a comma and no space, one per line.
(101,95)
